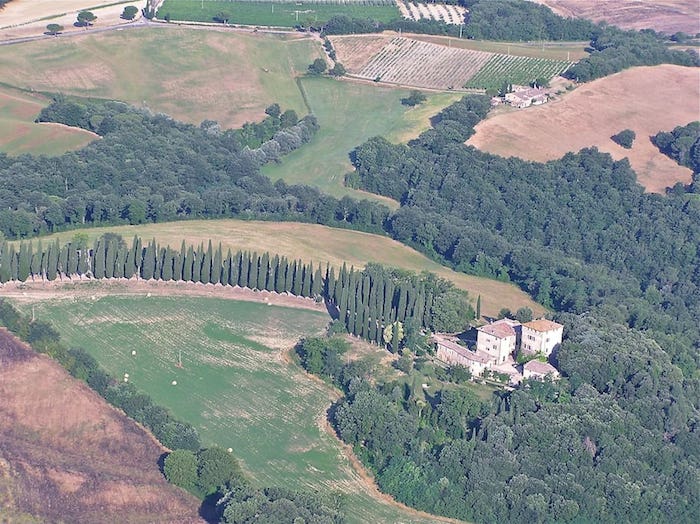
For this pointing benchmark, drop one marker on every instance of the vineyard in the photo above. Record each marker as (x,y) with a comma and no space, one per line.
(515,70)
(417,63)
(449,14)
(284,13)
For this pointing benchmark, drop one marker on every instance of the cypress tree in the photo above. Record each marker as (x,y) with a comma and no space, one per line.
(137,255)
(5,262)
(226,269)
(263,271)
(119,260)
(187,265)
(168,263)
(352,313)
(35,266)
(478,307)
(148,266)
(388,301)
(14,263)
(235,269)
(372,330)
(366,282)
(245,268)
(72,262)
(52,261)
(343,300)
(98,259)
(129,263)
(216,265)
(306,281)
(272,276)
(330,283)
(253,271)
(364,326)
(63,260)
(24,262)
(205,276)
(160,262)
(197,264)
(426,314)
(289,277)
(403,301)
(419,310)
(395,341)
(298,281)
(84,261)
(110,258)
(179,262)
(279,276)
(317,283)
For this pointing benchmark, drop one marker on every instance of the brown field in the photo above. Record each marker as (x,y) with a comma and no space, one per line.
(644,99)
(67,456)
(319,244)
(668,16)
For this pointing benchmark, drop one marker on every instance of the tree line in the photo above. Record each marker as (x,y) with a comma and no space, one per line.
(150,168)
(613,440)
(682,144)
(366,302)
(576,233)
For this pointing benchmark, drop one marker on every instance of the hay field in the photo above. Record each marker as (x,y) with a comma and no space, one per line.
(67,456)
(190,74)
(237,385)
(644,99)
(24,11)
(349,114)
(668,16)
(320,244)
(19,134)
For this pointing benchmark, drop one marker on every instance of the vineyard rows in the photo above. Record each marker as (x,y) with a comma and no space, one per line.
(515,70)
(449,14)
(421,64)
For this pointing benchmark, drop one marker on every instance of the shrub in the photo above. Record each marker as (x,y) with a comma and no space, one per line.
(624,138)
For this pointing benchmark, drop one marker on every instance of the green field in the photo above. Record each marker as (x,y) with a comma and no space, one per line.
(190,74)
(349,114)
(278,14)
(237,385)
(515,70)
(20,134)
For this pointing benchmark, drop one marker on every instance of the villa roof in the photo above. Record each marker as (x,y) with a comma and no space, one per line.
(499,329)
(461,350)
(543,325)
(540,368)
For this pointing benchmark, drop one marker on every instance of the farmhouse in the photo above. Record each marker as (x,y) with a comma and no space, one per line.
(498,340)
(523,96)
(539,370)
(450,352)
(541,336)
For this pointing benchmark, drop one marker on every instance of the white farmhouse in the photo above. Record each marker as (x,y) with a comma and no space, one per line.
(498,340)
(541,336)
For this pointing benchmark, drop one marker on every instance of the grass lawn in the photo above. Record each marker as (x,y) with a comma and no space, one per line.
(190,74)
(319,244)
(270,13)
(19,134)
(350,113)
(237,386)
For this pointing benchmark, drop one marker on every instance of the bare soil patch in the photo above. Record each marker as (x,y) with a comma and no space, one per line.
(668,16)
(67,456)
(644,99)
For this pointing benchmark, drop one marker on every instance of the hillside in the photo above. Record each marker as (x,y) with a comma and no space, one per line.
(644,99)
(66,456)
(319,244)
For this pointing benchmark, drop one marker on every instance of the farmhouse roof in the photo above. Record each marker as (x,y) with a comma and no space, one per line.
(540,368)
(499,329)
(461,350)
(543,325)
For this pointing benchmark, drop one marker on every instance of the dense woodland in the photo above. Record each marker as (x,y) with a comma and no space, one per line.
(682,145)
(150,168)
(615,441)
(577,233)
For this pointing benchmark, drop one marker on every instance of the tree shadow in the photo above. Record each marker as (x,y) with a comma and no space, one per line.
(208,510)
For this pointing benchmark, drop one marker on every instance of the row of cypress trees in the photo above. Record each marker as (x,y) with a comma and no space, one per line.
(373,303)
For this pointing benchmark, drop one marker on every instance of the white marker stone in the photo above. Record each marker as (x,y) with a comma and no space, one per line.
(174,382)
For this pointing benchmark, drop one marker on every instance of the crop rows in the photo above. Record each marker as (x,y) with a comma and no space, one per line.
(422,64)
(515,70)
(449,14)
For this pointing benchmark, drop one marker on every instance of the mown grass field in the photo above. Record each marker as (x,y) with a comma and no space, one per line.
(349,114)
(237,385)
(19,134)
(281,14)
(319,244)
(190,74)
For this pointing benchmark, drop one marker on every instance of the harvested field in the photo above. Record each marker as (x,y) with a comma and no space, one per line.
(20,134)
(420,63)
(320,244)
(190,74)
(237,384)
(644,99)
(668,16)
(67,456)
